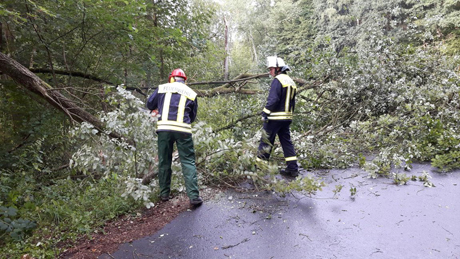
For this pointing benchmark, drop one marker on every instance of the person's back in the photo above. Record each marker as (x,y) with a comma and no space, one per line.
(177,106)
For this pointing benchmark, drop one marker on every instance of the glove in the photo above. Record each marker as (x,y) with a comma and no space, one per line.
(264,116)
(154,113)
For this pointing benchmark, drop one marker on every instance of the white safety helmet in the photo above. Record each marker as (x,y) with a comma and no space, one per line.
(274,61)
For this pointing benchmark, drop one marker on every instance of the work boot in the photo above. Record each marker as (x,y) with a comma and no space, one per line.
(289,172)
(196,201)
(164,198)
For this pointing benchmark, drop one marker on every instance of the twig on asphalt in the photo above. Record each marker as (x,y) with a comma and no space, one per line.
(230,246)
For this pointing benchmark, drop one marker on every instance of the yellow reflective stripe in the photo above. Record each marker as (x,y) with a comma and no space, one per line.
(173,128)
(167,102)
(292,96)
(181,109)
(293,93)
(174,123)
(288,99)
(267,111)
(281,113)
(291,158)
(280,118)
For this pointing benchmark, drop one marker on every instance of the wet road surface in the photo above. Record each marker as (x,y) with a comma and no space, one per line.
(383,220)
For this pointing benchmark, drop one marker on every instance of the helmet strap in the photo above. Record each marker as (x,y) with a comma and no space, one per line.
(179,79)
(277,69)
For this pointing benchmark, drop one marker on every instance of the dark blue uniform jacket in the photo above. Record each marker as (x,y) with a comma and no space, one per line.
(177,106)
(281,98)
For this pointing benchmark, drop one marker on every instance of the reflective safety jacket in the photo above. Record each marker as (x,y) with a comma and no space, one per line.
(281,98)
(177,106)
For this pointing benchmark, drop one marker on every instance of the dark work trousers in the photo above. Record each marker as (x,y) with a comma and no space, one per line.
(280,128)
(184,144)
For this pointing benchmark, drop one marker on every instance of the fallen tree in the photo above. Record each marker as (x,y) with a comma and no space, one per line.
(33,83)
(226,87)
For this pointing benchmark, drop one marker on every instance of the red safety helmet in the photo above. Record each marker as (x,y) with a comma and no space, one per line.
(177,72)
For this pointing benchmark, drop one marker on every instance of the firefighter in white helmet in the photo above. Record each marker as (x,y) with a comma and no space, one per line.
(277,115)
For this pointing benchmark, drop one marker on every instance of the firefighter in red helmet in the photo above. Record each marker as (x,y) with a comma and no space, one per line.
(177,72)
(177,106)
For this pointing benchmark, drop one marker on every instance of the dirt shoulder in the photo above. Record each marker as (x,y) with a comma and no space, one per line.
(127,229)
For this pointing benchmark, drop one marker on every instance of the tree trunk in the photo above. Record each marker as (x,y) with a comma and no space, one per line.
(1,37)
(254,58)
(226,51)
(29,80)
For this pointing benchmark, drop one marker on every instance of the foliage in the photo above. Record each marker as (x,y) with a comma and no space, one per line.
(292,25)
(63,212)
(222,157)
(395,99)
(63,204)
(103,156)
(425,178)
(353,191)
(447,162)
(11,225)
(400,178)
(135,43)
(381,91)
(22,127)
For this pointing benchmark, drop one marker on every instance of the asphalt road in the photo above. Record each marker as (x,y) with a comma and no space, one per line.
(383,220)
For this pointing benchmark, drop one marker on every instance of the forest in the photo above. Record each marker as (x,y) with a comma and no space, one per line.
(378,88)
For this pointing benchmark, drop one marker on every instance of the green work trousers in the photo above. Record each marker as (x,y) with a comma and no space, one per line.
(184,143)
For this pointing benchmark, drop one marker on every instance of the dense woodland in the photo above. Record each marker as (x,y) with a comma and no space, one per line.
(378,88)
